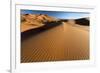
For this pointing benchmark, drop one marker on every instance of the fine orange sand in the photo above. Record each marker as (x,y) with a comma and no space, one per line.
(25,27)
(61,43)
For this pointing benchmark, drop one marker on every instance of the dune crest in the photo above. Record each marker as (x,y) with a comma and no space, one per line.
(29,21)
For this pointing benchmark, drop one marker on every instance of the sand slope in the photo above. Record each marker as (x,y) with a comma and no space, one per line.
(31,21)
(63,42)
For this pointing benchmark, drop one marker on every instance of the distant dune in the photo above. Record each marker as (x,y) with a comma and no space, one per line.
(31,21)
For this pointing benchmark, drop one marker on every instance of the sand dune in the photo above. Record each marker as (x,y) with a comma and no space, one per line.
(63,42)
(52,39)
(31,21)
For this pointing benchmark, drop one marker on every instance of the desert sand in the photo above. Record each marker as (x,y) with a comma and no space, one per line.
(67,41)
(31,21)
(64,42)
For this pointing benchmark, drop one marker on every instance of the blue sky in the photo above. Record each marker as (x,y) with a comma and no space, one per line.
(61,15)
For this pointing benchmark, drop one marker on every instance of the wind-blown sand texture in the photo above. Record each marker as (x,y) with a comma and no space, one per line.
(61,41)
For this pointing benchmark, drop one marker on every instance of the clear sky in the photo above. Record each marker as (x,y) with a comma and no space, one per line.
(61,15)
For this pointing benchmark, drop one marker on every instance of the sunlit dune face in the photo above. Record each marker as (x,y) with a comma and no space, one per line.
(60,43)
(37,17)
(53,39)
(29,21)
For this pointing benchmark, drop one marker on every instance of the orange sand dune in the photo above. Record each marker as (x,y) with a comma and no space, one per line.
(24,27)
(61,43)
(31,21)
